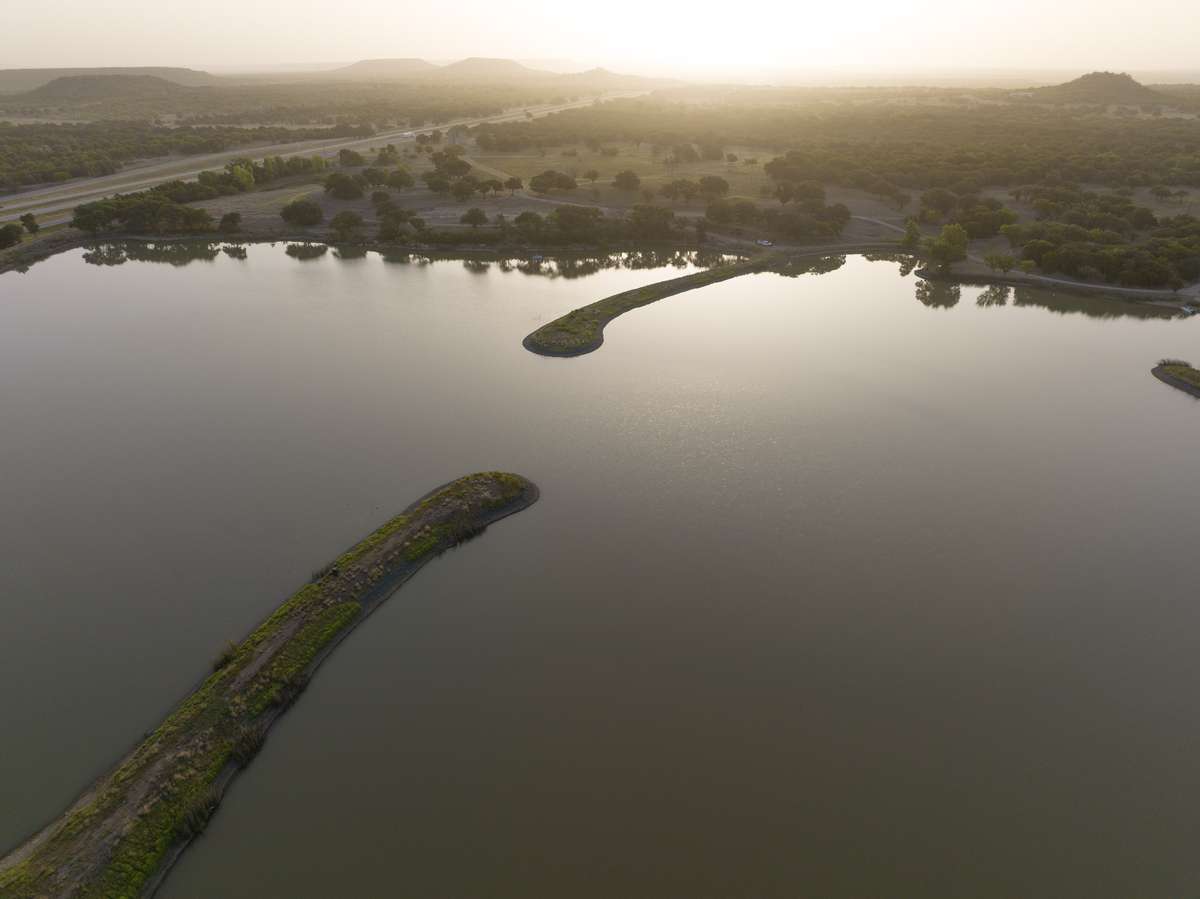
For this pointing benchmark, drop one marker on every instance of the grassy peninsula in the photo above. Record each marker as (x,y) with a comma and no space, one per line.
(581,330)
(1178,374)
(121,836)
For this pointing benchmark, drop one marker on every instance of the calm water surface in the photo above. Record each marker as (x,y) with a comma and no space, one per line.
(837,586)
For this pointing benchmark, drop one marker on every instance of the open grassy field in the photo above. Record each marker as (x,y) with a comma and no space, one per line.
(744,180)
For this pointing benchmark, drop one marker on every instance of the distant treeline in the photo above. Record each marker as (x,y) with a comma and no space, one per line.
(301,103)
(1076,168)
(38,154)
(891,147)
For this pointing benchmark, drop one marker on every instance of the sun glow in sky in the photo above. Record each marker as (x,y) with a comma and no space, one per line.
(632,35)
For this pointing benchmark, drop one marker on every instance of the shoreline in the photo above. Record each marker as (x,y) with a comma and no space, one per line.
(1152,295)
(22,257)
(128,827)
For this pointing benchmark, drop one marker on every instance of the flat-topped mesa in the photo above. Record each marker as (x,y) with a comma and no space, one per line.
(1179,374)
(122,835)
(582,330)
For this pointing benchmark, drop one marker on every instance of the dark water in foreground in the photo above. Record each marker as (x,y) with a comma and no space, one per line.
(832,590)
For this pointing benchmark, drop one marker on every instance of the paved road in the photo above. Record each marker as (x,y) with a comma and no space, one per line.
(53,203)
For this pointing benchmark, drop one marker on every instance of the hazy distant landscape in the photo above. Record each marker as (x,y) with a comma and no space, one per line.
(529,453)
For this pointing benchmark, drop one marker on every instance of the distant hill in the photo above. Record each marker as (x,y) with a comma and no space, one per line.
(477,68)
(1099,87)
(385,69)
(16,81)
(603,79)
(105,87)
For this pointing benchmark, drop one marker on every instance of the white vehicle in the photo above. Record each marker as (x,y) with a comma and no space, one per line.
(765,243)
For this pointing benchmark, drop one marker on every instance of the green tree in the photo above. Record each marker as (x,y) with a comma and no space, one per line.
(346,225)
(343,187)
(462,190)
(390,230)
(349,157)
(29,220)
(627,180)
(231,223)
(530,224)
(680,188)
(1000,262)
(650,222)
(10,235)
(577,223)
(400,179)
(912,235)
(436,182)
(242,174)
(591,175)
(302,212)
(474,217)
(949,247)
(713,186)
(374,176)
(551,180)
(514,184)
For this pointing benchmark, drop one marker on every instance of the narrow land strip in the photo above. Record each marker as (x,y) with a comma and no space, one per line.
(1179,375)
(123,834)
(581,330)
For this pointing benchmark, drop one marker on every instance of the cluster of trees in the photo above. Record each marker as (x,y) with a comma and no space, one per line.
(303,213)
(1168,256)
(896,143)
(38,154)
(551,180)
(980,217)
(948,247)
(452,175)
(562,225)
(148,212)
(1080,233)
(11,233)
(808,218)
(163,210)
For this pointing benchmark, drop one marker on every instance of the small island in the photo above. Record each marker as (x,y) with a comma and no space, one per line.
(581,330)
(123,834)
(1179,374)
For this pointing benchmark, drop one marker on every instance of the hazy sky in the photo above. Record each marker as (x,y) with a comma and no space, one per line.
(633,35)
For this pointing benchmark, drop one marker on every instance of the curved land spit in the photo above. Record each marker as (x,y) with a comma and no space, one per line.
(582,330)
(123,834)
(1179,375)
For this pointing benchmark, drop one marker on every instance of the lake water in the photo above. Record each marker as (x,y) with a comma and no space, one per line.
(838,586)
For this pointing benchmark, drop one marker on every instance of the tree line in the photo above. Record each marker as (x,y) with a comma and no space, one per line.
(39,154)
(163,209)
